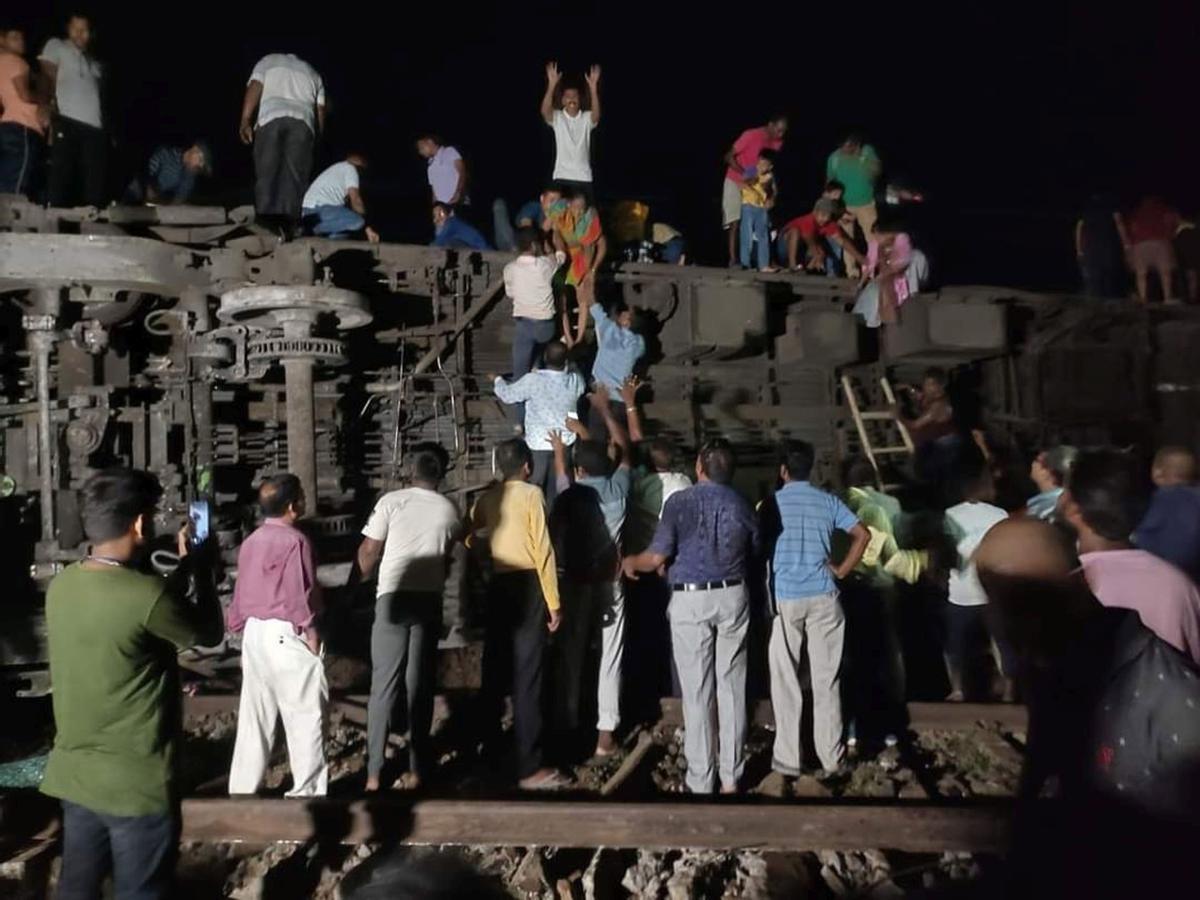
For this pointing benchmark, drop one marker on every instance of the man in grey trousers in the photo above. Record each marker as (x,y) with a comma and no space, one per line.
(411,536)
(800,521)
(709,534)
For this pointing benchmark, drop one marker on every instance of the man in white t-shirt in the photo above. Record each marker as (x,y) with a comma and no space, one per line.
(289,96)
(79,150)
(412,536)
(966,626)
(572,130)
(333,206)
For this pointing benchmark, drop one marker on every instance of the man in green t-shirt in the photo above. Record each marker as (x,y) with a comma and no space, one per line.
(113,632)
(856,165)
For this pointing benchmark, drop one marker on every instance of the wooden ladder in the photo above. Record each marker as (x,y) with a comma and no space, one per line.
(887,416)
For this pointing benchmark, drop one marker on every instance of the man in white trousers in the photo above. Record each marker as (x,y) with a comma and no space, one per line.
(275,604)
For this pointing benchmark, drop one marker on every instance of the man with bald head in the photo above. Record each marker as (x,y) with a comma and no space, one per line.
(1171,527)
(1114,715)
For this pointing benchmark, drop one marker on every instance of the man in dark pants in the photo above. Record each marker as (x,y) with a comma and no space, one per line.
(113,633)
(78,155)
(23,118)
(414,532)
(509,524)
(289,96)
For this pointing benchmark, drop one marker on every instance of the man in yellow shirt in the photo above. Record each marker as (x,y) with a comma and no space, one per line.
(509,521)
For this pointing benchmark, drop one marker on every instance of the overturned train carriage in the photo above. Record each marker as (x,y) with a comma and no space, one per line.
(185,341)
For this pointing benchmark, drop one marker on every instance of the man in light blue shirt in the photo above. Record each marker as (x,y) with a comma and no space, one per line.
(804,577)
(550,394)
(620,345)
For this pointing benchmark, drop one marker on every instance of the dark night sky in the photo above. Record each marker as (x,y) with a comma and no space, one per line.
(1006,116)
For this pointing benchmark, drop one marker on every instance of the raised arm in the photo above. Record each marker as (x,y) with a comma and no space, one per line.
(562,480)
(632,417)
(593,83)
(249,104)
(553,76)
(320,119)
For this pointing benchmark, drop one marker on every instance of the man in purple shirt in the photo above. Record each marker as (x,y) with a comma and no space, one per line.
(709,534)
(1104,502)
(275,604)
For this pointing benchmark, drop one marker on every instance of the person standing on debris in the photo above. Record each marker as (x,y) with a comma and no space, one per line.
(801,520)
(333,205)
(171,174)
(1104,503)
(23,118)
(1171,527)
(289,97)
(112,634)
(276,602)
(508,527)
(573,127)
(857,167)
(709,537)
(758,199)
(79,150)
(451,231)
(550,394)
(586,525)
(528,282)
(1152,227)
(576,227)
(1113,717)
(1101,247)
(1049,471)
(447,171)
(744,155)
(411,536)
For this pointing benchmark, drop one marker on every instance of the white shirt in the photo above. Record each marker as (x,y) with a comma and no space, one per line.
(418,528)
(291,87)
(442,174)
(527,280)
(967,523)
(77,84)
(331,186)
(573,140)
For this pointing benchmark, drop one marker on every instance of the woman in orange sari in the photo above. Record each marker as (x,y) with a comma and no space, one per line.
(577,231)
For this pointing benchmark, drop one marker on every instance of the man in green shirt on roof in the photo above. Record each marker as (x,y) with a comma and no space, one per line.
(857,167)
(113,632)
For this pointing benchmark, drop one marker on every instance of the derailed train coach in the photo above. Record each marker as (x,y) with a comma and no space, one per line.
(188,342)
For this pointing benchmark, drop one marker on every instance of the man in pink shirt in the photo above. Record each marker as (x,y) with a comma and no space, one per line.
(742,155)
(1103,502)
(275,604)
(23,118)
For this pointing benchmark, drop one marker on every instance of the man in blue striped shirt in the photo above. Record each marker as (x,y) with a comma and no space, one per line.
(171,174)
(804,577)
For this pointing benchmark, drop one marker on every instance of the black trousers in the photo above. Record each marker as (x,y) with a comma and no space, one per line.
(513,651)
(20,153)
(283,156)
(580,187)
(139,850)
(78,164)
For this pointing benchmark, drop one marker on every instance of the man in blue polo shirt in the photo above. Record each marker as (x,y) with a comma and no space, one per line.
(619,345)
(803,520)
(709,535)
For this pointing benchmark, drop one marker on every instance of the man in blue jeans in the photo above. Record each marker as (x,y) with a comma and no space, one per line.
(333,205)
(528,282)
